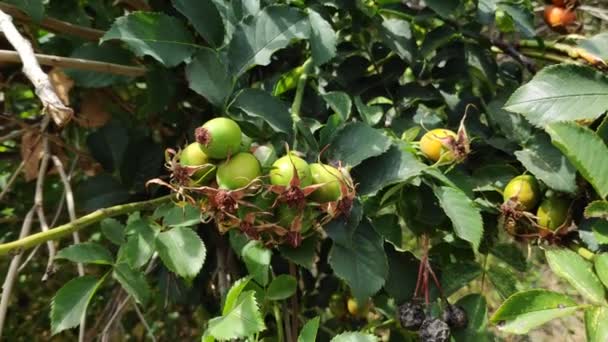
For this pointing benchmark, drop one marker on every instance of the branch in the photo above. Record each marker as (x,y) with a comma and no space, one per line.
(76,63)
(83,222)
(44,89)
(54,25)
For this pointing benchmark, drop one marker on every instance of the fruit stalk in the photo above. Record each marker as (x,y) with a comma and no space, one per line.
(297,101)
(83,222)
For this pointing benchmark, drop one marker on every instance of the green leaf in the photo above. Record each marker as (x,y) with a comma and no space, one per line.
(600,230)
(350,336)
(397,35)
(346,145)
(108,53)
(100,191)
(86,253)
(503,279)
(133,281)
(362,264)
(257,259)
(596,324)
(597,45)
(205,18)
(339,102)
(370,114)
(208,76)
(304,255)
(578,272)
(443,7)
(260,104)
(597,209)
(182,251)
(309,330)
(522,17)
(33,8)
(454,276)
(585,150)
(391,167)
(140,243)
(185,216)
(70,303)
(256,38)
(601,267)
(465,216)
(113,230)
(158,35)
(108,145)
(557,93)
(242,321)
(547,163)
(511,254)
(402,273)
(512,125)
(526,310)
(388,226)
(323,38)
(281,287)
(233,294)
(477,313)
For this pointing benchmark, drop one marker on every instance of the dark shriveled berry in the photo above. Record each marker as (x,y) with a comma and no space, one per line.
(434,330)
(410,315)
(455,316)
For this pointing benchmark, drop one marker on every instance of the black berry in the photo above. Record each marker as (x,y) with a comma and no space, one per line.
(434,330)
(410,315)
(455,316)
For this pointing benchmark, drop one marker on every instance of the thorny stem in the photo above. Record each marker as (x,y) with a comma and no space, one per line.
(83,222)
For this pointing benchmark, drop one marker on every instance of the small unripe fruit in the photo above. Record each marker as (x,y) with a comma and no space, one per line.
(433,146)
(523,190)
(282,171)
(337,305)
(193,155)
(552,212)
(356,309)
(332,179)
(455,316)
(238,171)
(219,137)
(558,17)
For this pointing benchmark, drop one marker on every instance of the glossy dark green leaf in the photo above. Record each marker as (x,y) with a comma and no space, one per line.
(402,274)
(86,253)
(257,259)
(362,264)
(397,35)
(133,281)
(147,34)
(102,53)
(208,75)
(557,93)
(113,230)
(179,216)
(346,146)
(578,272)
(339,102)
(182,251)
(257,38)
(33,8)
(309,330)
(477,313)
(100,191)
(444,8)
(510,254)
(70,303)
(281,287)
(456,275)
(513,125)
(205,18)
(585,150)
(601,267)
(304,255)
(260,104)
(140,243)
(388,226)
(548,164)
(522,17)
(323,38)
(108,145)
(465,216)
(503,279)
(391,167)
(527,310)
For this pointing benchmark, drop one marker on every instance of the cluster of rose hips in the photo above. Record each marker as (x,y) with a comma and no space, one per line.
(245,186)
(412,316)
(560,14)
(521,197)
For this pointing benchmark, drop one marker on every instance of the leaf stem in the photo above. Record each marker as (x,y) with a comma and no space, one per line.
(83,222)
(582,251)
